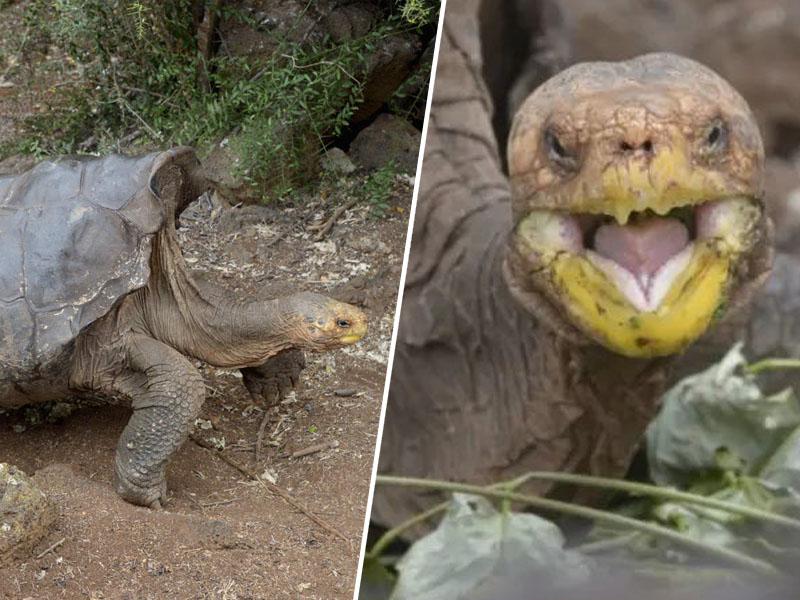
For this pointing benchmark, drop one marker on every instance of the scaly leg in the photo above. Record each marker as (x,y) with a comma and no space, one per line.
(166,392)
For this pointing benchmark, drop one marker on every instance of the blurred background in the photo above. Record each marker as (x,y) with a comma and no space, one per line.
(754,44)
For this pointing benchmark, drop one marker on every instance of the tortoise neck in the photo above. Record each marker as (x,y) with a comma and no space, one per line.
(208,322)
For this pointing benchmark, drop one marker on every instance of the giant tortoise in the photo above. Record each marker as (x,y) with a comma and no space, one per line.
(545,303)
(95,299)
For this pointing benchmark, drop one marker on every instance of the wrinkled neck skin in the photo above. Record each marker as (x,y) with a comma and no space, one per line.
(496,392)
(203,321)
(587,390)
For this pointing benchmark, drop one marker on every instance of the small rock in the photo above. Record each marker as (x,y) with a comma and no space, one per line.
(336,162)
(344,392)
(388,139)
(27,514)
(219,534)
(156,569)
(388,67)
(351,21)
(270,475)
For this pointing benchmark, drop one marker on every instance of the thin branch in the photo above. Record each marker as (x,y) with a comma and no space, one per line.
(654,491)
(260,439)
(50,548)
(769,364)
(389,536)
(605,545)
(323,228)
(271,487)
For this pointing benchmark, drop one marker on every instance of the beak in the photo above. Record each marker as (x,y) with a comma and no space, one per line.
(357,331)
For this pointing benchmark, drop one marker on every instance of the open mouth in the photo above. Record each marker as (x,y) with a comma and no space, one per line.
(645,286)
(645,256)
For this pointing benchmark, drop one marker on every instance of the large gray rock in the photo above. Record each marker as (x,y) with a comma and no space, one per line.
(387,139)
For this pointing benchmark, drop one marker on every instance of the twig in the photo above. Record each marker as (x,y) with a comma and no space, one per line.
(276,239)
(311,449)
(271,487)
(725,554)
(278,426)
(260,438)
(126,105)
(605,545)
(218,503)
(50,548)
(323,229)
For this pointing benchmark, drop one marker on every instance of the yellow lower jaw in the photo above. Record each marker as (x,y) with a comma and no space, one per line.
(351,339)
(685,313)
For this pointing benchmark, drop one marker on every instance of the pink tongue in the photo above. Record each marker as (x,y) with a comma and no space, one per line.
(643,247)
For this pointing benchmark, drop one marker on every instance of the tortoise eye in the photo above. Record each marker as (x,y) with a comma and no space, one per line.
(557,152)
(343,323)
(717,136)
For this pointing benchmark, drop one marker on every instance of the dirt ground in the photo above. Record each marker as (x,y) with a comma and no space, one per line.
(221,535)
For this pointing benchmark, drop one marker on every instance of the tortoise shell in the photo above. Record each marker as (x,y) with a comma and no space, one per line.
(75,237)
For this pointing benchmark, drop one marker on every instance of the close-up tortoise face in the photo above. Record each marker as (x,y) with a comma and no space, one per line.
(637,193)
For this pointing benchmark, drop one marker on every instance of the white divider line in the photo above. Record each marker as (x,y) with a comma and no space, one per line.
(399,304)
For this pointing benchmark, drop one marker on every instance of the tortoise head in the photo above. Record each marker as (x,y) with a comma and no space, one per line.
(637,205)
(322,323)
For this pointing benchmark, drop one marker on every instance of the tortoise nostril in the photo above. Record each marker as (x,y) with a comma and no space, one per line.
(627,147)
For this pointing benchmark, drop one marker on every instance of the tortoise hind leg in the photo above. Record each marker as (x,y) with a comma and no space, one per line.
(166,394)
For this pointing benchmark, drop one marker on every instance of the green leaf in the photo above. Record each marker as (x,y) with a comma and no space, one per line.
(783,467)
(718,420)
(475,546)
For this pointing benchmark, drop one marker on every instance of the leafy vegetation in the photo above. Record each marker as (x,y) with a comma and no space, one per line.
(378,188)
(420,12)
(726,504)
(132,72)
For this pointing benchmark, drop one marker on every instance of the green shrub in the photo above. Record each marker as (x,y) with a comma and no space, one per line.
(133,76)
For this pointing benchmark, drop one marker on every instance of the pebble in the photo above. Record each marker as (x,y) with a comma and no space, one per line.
(344,392)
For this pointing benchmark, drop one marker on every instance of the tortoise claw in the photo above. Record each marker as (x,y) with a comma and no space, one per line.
(150,497)
(272,381)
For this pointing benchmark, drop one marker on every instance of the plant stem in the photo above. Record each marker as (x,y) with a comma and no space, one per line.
(605,545)
(593,514)
(389,536)
(644,489)
(769,364)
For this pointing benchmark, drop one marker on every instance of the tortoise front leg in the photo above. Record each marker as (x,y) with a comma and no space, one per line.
(272,381)
(166,394)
